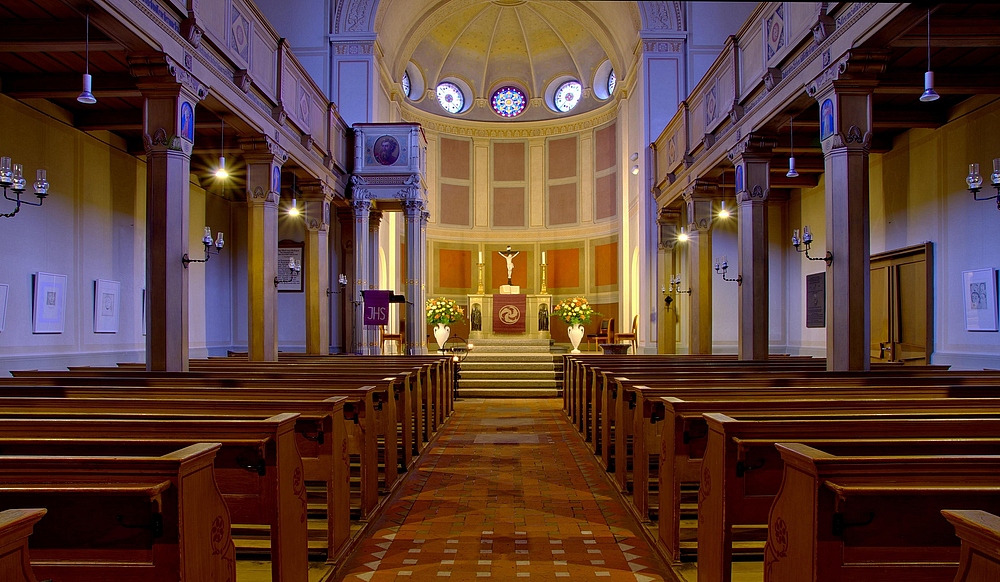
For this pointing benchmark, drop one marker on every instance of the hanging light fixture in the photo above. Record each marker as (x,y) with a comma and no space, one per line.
(294,209)
(791,151)
(221,172)
(86,97)
(929,93)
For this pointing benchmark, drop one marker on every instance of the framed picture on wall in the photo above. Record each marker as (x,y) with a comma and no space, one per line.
(3,304)
(290,281)
(49,307)
(106,305)
(979,288)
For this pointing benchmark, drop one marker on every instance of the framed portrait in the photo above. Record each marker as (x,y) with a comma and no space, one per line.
(49,306)
(106,305)
(4,288)
(980,290)
(290,281)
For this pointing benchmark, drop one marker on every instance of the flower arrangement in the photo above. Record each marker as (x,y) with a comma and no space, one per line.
(444,311)
(574,311)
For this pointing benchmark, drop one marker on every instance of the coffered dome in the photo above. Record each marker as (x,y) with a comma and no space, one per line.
(532,46)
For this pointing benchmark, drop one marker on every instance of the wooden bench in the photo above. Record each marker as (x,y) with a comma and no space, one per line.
(321,439)
(980,535)
(742,469)
(15,527)
(128,519)
(685,433)
(368,406)
(872,518)
(258,469)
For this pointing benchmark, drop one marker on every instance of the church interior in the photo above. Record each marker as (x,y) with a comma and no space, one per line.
(414,289)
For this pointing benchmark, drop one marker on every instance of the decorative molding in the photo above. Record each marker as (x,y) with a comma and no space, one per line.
(662,16)
(557,128)
(155,70)
(263,145)
(824,24)
(771,78)
(776,547)
(242,79)
(191,30)
(751,144)
(156,12)
(360,48)
(663,46)
(259,195)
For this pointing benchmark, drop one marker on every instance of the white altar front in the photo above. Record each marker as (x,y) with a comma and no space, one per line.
(484,303)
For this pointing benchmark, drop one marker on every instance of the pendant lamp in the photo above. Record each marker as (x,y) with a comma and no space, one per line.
(929,93)
(791,150)
(221,172)
(86,97)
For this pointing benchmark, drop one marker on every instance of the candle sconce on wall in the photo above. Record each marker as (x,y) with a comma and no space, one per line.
(342,281)
(806,241)
(722,267)
(12,179)
(207,241)
(975,181)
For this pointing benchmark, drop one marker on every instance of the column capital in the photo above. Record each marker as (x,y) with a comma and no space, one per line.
(698,197)
(317,196)
(262,149)
(412,189)
(374,220)
(361,207)
(668,220)
(413,208)
(856,70)
(359,188)
(159,73)
(753,144)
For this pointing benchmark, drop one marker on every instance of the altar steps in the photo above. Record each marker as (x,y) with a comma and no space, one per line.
(509,368)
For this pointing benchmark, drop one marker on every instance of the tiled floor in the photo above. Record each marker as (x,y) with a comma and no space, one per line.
(509,491)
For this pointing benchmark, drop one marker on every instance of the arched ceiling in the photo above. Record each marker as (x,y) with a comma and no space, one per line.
(528,43)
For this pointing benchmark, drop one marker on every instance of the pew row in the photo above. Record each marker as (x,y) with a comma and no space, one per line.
(127,519)
(15,527)
(980,535)
(872,518)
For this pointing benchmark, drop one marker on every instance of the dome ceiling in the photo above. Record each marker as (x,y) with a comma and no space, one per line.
(486,44)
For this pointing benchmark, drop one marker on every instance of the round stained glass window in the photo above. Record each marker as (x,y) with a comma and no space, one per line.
(450,97)
(568,95)
(612,82)
(406,83)
(509,101)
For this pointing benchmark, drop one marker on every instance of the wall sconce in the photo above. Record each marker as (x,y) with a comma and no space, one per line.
(207,241)
(12,178)
(635,170)
(806,240)
(293,268)
(342,281)
(721,269)
(675,285)
(975,181)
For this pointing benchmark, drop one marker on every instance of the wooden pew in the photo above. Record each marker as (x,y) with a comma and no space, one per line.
(321,438)
(369,405)
(127,519)
(742,469)
(15,527)
(872,518)
(980,535)
(685,433)
(258,469)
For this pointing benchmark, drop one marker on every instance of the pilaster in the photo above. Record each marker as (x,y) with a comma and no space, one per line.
(698,199)
(317,197)
(667,334)
(361,204)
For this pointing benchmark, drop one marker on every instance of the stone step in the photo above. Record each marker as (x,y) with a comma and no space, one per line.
(493,383)
(495,341)
(508,348)
(475,365)
(509,357)
(506,375)
(508,393)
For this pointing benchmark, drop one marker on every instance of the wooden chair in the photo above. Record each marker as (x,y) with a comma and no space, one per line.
(391,337)
(605,333)
(631,337)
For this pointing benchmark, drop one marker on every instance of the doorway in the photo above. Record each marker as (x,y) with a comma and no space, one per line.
(901,305)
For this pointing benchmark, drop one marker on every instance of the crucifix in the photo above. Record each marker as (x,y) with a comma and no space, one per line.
(509,256)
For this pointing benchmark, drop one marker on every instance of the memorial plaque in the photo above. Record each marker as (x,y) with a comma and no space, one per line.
(816,300)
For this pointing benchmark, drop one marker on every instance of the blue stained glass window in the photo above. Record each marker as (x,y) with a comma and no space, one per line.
(568,95)
(612,81)
(406,83)
(509,101)
(450,97)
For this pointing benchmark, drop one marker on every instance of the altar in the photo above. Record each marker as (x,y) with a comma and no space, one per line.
(535,316)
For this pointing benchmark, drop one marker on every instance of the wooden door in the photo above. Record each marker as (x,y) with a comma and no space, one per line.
(901,308)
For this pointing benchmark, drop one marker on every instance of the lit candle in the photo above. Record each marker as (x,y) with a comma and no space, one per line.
(543,257)
(480,256)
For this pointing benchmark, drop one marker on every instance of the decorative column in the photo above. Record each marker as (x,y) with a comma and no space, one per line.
(362,206)
(752,158)
(347,297)
(667,337)
(264,158)
(844,92)
(421,276)
(317,196)
(698,197)
(170,95)
(416,331)
(374,222)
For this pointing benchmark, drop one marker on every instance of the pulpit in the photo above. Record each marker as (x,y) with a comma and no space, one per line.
(537,309)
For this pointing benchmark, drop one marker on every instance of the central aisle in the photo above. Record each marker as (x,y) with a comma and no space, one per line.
(508,491)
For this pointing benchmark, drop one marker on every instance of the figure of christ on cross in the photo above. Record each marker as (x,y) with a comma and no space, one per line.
(509,255)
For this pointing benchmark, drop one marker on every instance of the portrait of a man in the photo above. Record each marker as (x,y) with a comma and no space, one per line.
(386,150)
